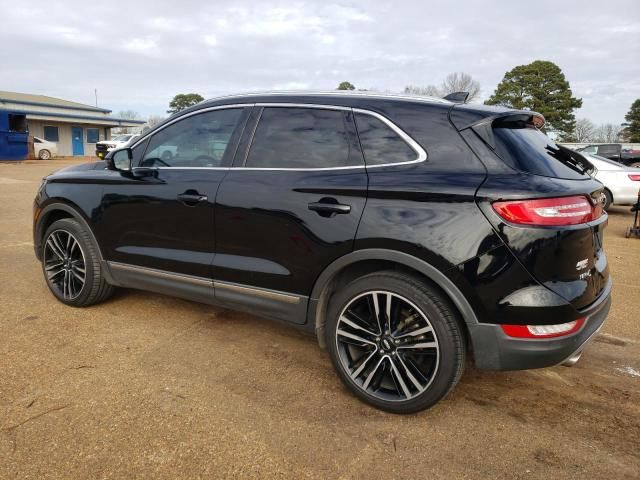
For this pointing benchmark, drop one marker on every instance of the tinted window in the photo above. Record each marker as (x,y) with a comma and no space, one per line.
(529,150)
(300,138)
(607,149)
(50,133)
(196,141)
(93,135)
(380,143)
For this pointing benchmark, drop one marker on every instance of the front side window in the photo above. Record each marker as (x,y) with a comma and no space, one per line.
(197,141)
(50,133)
(300,138)
(380,143)
(93,135)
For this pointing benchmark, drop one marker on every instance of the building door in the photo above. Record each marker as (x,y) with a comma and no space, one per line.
(77,143)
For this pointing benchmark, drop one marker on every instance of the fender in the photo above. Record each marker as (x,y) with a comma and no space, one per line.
(315,312)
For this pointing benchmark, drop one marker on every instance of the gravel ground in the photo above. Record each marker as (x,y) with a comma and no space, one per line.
(150,386)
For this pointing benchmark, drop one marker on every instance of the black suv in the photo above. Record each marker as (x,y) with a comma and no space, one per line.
(407,233)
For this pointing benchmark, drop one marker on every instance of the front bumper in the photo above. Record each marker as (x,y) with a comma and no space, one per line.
(494,350)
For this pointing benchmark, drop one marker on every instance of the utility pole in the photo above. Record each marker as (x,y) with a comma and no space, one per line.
(95,91)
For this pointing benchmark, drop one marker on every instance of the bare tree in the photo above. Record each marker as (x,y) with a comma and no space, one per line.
(584,130)
(152,121)
(608,133)
(127,115)
(460,82)
(428,91)
(454,82)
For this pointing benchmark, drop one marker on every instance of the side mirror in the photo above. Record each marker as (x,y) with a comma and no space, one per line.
(120,160)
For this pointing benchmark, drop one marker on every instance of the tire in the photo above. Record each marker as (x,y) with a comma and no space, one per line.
(409,369)
(71,265)
(44,154)
(608,199)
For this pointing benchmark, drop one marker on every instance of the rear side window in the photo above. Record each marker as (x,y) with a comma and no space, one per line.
(529,150)
(380,143)
(300,138)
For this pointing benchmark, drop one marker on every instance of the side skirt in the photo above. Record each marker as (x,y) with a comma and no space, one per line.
(258,301)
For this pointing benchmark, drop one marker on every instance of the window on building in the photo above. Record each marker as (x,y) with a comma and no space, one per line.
(93,135)
(300,138)
(381,144)
(51,133)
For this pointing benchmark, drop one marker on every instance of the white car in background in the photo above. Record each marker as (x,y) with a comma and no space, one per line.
(117,141)
(621,183)
(43,149)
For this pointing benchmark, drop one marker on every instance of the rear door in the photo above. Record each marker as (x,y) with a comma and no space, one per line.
(289,207)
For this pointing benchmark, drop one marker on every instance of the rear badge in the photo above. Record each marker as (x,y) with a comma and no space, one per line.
(581,265)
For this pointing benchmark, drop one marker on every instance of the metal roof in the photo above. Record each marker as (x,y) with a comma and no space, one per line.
(45,101)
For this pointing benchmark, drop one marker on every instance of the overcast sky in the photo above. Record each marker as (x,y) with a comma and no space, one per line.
(140,54)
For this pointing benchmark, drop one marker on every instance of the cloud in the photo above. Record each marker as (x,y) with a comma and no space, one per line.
(140,54)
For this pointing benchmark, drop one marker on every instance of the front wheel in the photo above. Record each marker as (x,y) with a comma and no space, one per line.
(71,265)
(44,154)
(395,342)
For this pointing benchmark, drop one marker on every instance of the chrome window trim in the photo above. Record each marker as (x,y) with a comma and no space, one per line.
(422,154)
(186,115)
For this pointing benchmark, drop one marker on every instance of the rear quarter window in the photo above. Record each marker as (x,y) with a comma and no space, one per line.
(531,151)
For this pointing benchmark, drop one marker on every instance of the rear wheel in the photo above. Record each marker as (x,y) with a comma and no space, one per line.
(71,265)
(44,154)
(395,342)
(608,199)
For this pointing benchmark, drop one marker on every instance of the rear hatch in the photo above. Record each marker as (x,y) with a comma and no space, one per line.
(544,204)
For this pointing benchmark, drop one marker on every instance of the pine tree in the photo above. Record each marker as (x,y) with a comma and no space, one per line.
(540,86)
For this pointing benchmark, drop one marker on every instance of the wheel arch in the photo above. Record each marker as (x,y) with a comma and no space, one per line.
(365,261)
(55,211)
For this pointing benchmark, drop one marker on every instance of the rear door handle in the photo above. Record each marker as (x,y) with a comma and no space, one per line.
(329,207)
(192,199)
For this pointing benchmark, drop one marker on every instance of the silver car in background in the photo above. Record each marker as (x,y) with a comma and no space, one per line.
(621,182)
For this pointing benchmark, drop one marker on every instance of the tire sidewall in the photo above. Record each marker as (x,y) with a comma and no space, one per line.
(92,264)
(448,366)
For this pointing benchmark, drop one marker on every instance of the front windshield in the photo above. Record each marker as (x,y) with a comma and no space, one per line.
(121,138)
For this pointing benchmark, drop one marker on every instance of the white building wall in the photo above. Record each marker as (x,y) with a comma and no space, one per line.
(65,147)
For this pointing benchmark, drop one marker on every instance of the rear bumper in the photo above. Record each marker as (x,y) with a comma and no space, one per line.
(494,350)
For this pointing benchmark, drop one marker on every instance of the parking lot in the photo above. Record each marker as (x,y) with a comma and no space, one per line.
(150,386)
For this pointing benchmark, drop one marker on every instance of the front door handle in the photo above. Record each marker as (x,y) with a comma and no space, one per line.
(328,207)
(191,198)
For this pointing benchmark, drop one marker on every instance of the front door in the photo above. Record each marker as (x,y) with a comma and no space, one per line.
(289,210)
(160,216)
(77,143)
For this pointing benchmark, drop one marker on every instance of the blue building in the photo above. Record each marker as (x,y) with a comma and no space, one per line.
(74,127)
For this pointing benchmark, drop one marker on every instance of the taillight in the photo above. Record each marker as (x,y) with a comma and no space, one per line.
(543,331)
(548,211)
(635,177)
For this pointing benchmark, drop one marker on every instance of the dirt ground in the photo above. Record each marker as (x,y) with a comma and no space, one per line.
(150,386)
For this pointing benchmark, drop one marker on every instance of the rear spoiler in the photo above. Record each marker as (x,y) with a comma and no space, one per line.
(483,121)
